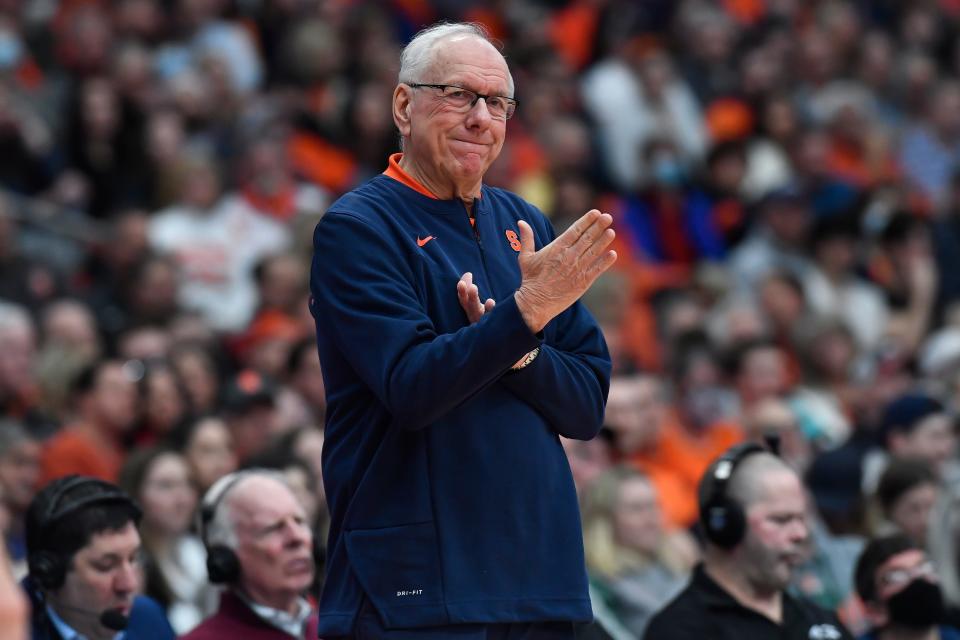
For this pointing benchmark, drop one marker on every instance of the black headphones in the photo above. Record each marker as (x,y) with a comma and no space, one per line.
(723,519)
(48,568)
(223,566)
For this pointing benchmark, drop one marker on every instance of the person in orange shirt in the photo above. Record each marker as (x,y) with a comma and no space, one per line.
(652,437)
(701,424)
(691,433)
(105,403)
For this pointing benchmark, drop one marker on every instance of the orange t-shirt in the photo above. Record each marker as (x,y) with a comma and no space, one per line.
(677,462)
(70,451)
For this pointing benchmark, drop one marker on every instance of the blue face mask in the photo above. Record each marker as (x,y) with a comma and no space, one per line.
(667,172)
(11,50)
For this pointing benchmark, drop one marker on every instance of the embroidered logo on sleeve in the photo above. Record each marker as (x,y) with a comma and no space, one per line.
(424,241)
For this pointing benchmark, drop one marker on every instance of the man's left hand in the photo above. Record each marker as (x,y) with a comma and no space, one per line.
(469,295)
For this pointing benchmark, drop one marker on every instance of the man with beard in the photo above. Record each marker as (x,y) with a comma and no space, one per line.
(898,584)
(752,512)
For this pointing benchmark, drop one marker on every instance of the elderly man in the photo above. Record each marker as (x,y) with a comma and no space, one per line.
(84,558)
(455,354)
(259,544)
(752,510)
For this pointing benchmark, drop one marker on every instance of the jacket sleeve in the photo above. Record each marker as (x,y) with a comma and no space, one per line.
(569,380)
(367,301)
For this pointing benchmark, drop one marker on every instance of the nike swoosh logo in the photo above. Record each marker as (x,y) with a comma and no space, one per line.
(420,242)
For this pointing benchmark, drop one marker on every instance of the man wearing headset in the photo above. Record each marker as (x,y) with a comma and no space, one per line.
(259,544)
(753,518)
(83,554)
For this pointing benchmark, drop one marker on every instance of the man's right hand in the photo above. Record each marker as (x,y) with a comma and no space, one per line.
(556,276)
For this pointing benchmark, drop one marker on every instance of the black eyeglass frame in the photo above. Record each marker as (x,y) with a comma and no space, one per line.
(486,98)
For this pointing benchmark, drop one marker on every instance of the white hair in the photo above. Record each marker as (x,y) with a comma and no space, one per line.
(14,316)
(218,524)
(420,53)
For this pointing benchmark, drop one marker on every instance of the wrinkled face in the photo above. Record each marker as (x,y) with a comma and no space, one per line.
(105,574)
(274,542)
(637,520)
(167,497)
(19,472)
(911,511)
(452,146)
(776,537)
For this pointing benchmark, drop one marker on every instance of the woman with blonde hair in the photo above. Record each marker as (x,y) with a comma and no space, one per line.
(635,565)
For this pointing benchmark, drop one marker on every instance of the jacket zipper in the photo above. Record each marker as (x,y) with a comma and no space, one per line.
(473,221)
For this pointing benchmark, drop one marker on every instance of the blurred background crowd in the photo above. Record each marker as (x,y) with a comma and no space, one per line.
(785,180)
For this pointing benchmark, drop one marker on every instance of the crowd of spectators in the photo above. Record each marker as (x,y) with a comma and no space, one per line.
(785,181)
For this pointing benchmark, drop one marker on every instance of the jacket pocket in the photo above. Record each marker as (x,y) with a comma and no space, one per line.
(399,570)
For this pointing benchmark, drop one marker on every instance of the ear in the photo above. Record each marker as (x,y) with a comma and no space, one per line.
(402,97)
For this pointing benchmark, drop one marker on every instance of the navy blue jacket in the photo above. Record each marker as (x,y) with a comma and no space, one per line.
(451,499)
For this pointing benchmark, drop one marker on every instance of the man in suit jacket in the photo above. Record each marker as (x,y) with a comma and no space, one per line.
(83,553)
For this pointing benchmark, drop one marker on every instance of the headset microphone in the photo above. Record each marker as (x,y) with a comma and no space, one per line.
(113,619)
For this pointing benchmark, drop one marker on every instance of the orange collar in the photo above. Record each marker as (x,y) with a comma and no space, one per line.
(395,171)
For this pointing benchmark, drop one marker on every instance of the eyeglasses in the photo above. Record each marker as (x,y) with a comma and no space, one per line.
(500,107)
(903,576)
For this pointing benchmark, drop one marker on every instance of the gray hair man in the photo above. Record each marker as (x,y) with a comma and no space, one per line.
(455,352)
(260,545)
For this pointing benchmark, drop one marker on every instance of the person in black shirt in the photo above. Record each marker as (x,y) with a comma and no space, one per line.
(753,517)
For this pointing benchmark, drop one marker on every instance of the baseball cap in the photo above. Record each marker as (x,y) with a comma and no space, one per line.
(907,410)
(249,388)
